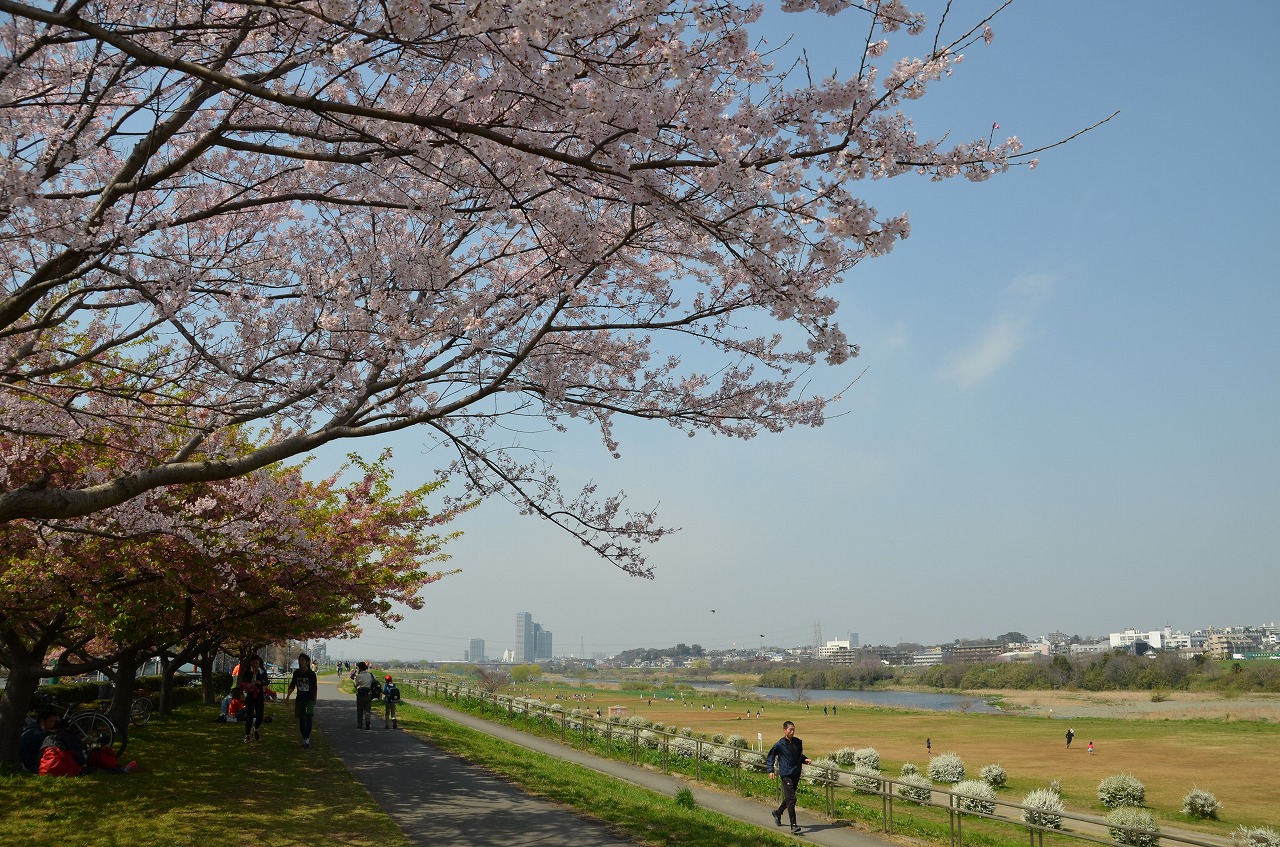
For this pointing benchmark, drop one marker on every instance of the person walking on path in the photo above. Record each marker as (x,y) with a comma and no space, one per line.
(390,699)
(364,696)
(304,708)
(928,746)
(787,757)
(1071,733)
(254,684)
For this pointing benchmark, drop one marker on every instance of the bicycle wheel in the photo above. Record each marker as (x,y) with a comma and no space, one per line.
(140,711)
(95,729)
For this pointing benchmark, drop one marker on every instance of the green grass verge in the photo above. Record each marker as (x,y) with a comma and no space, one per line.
(637,813)
(197,783)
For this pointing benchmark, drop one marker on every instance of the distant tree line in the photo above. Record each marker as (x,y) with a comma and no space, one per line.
(1116,671)
(654,654)
(818,677)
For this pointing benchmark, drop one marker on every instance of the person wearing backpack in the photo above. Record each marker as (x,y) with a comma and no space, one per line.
(390,699)
(365,682)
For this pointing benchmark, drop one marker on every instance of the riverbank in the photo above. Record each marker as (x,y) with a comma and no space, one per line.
(1174,705)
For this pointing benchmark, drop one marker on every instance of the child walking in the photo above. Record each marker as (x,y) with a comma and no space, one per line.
(390,699)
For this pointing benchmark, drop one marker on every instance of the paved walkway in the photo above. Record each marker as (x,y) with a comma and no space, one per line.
(438,799)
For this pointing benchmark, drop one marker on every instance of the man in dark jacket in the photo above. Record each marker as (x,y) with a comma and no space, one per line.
(33,733)
(788,757)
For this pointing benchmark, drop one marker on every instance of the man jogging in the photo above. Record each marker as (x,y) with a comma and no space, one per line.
(788,756)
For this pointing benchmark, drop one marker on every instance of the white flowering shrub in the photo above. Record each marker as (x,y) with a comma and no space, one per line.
(1121,789)
(1133,826)
(575,712)
(915,788)
(822,769)
(557,708)
(649,739)
(865,779)
(717,753)
(739,742)
(1056,786)
(1200,804)
(615,719)
(637,721)
(994,775)
(1046,804)
(1255,837)
(867,757)
(844,756)
(974,795)
(671,730)
(686,731)
(753,761)
(718,738)
(946,767)
(909,769)
(684,747)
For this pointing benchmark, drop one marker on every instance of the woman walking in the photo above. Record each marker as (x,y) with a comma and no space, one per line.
(254,683)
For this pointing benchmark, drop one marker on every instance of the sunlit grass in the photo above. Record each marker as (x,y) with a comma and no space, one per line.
(198,783)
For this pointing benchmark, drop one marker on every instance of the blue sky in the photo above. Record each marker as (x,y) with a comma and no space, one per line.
(1069,414)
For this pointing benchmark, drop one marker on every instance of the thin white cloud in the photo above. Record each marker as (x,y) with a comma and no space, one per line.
(992,352)
(1002,340)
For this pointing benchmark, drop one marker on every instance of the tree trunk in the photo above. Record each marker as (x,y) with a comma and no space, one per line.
(19,695)
(205,662)
(125,678)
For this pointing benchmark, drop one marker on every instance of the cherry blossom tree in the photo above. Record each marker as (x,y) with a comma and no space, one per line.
(264,557)
(323,219)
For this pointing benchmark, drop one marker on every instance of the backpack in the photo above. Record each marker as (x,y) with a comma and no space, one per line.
(376,688)
(392,693)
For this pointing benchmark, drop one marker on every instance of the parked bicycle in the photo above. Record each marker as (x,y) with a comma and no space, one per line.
(91,725)
(140,711)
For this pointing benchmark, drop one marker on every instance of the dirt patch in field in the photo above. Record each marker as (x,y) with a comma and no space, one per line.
(1138,705)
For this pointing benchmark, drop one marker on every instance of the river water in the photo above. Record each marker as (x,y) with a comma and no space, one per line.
(892,699)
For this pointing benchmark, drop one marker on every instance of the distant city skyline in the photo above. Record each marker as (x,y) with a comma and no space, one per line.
(337,649)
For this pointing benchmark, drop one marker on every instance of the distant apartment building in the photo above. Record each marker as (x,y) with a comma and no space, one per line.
(972,653)
(1225,645)
(475,653)
(831,647)
(1158,639)
(927,658)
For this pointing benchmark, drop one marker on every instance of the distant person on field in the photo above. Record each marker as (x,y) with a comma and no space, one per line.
(1071,733)
(787,758)
(928,747)
(304,708)
(1090,746)
(390,699)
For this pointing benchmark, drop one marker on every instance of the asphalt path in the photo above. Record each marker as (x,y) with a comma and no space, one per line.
(439,799)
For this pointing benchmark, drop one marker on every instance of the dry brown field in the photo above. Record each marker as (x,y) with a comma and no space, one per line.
(1230,747)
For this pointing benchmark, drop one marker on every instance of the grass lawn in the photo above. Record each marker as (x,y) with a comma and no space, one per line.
(197,783)
(1232,759)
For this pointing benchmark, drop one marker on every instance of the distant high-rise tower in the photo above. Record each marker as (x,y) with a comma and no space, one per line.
(853,641)
(476,653)
(525,644)
(542,645)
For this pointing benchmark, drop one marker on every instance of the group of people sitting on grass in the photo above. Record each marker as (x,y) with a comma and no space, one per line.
(51,748)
